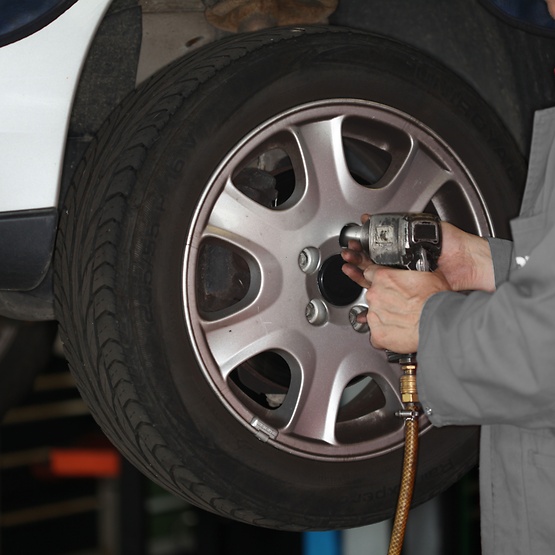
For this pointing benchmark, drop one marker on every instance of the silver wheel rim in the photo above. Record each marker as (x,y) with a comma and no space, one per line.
(284,358)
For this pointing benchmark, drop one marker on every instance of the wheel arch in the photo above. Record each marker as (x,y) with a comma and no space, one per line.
(26,285)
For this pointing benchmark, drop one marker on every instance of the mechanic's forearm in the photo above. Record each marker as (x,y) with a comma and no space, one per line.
(466,260)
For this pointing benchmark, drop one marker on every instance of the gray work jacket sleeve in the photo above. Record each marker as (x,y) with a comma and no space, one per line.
(489,358)
(501,254)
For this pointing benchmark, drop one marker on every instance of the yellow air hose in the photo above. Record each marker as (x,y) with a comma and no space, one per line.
(409,396)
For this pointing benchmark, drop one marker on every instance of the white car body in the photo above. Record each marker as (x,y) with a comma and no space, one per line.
(38,78)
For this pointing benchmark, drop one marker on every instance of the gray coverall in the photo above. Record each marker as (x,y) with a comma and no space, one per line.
(489,359)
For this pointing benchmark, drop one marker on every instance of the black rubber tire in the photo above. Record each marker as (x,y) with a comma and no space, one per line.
(120,250)
(510,67)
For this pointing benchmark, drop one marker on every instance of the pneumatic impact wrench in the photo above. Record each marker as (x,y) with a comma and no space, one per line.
(411,241)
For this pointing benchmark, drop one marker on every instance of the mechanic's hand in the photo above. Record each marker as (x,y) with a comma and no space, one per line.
(465,260)
(396,297)
(395,301)
(356,260)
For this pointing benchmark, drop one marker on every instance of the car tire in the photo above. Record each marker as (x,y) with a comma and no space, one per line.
(196,268)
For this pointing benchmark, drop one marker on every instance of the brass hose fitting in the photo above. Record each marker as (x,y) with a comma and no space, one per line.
(407,383)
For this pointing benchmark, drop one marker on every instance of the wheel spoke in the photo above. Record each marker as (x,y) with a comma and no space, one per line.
(319,379)
(320,166)
(238,220)
(388,380)
(414,177)
(239,336)
(313,401)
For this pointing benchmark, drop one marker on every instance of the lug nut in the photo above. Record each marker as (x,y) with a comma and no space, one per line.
(316,312)
(353,313)
(309,260)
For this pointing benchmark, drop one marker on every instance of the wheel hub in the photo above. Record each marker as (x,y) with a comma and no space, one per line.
(334,285)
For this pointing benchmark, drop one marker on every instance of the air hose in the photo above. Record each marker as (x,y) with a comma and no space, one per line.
(409,396)
(413,242)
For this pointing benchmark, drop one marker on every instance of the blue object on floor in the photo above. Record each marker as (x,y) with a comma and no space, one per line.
(322,543)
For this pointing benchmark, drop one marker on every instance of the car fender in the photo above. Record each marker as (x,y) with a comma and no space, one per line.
(37,84)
